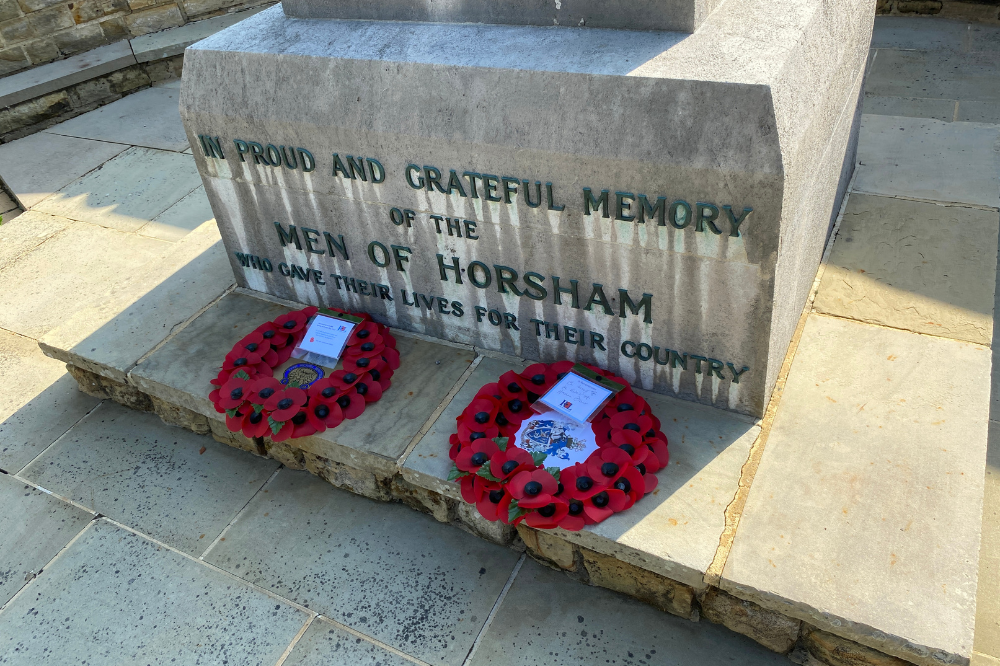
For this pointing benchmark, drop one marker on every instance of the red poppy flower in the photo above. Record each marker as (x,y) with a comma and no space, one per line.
(633,484)
(369,389)
(302,427)
(634,421)
(255,424)
(234,392)
(538,378)
(534,489)
(603,465)
(468,435)
(490,391)
(574,520)
(286,431)
(601,425)
(234,423)
(467,484)
(548,516)
(370,348)
(626,401)
(504,464)
(658,458)
(352,404)
(511,386)
(222,377)
(364,332)
(272,335)
(324,413)
(239,359)
(360,364)
(579,484)
(480,412)
(631,443)
(382,374)
(477,454)
(560,368)
(343,380)
(391,357)
(284,354)
(516,410)
(456,446)
(285,404)
(605,503)
(291,322)
(387,338)
(263,387)
(493,502)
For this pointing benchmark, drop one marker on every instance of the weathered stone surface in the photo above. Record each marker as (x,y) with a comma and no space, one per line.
(167,43)
(151,20)
(729,297)
(675,530)
(148,118)
(105,89)
(51,20)
(35,526)
(64,73)
(892,167)
(13,60)
(180,219)
(224,435)
(324,643)
(772,630)
(128,191)
(915,266)
(165,70)
(547,546)
(343,548)
(41,51)
(935,74)
(178,487)
(830,650)
(913,107)
(78,40)
(467,517)
(357,481)
(182,417)
(201,615)
(104,388)
(658,591)
(422,499)
(864,515)
(987,636)
(24,233)
(549,619)
(37,111)
(108,337)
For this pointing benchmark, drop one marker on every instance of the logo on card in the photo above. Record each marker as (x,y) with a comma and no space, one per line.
(566,403)
(549,437)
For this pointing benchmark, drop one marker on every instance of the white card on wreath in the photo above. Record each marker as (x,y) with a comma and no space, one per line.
(576,397)
(326,336)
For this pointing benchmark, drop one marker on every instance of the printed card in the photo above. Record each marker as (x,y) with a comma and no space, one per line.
(577,397)
(325,336)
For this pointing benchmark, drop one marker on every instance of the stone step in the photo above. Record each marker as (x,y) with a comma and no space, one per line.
(662,550)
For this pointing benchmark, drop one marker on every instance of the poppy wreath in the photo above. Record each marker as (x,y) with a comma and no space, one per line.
(512,485)
(257,404)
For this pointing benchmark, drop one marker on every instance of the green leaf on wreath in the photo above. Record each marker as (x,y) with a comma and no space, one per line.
(275,425)
(515,511)
(456,474)
(293,384)
(241,374)
(257,408)
(485,473)
(231,413)
(554,471)
(501,442)
(538,457)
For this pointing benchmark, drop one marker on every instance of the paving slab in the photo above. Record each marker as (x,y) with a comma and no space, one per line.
(421,586)
(979,112)
(904,156)
(987,638)
(128,191)
(35,527)
(675,530)
(325,644)
(176,486)
(911,107)
(179,372)
(864,515)
(41,164)
(39,403)
(114,597)
(916,266)
(148,118)
(23,234)
(167,43)
(935,74)
(549,619)
(61,74)
(180,219)
(920,34)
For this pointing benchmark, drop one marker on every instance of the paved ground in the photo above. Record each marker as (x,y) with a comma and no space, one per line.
(129,541)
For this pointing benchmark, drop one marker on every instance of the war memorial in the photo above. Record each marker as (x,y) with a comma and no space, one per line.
(549,271)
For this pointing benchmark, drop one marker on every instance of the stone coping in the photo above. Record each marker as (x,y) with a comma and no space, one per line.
(61,74)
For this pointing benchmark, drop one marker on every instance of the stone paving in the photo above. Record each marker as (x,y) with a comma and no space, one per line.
(125,540)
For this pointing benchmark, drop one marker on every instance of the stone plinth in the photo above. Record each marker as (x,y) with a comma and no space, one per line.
(652,202)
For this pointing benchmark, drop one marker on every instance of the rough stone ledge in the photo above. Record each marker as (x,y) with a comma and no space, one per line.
(771,629)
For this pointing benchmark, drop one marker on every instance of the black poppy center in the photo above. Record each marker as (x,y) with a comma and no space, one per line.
(532,488)
(496,496)
(609,469)
(625,407)
(482,417)
(575,508)
(515,405)
(289,324)
(623,485)
(501,420)
(631,426)
(286,403)
(548,510)
(561,375)
(269,334)
(350,377)
(361,388)
(252,347)
(627,448)
(479,459)
(344,401)
(538,380)
(363,362)
(601,499)
(584,483)
(240,361)
(236,393)
(508,466)
(476,435)
(514,387)
(641,468)
(364,333)
(368,346)
(266,392)
(299,418)
(328,392)
(651,433)
(256,417)
(376,375)
(322,411)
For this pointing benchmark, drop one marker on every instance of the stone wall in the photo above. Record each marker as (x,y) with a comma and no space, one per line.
(34,32)
(972,10)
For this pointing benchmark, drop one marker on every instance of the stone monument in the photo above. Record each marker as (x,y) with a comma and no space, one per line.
(645,185)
